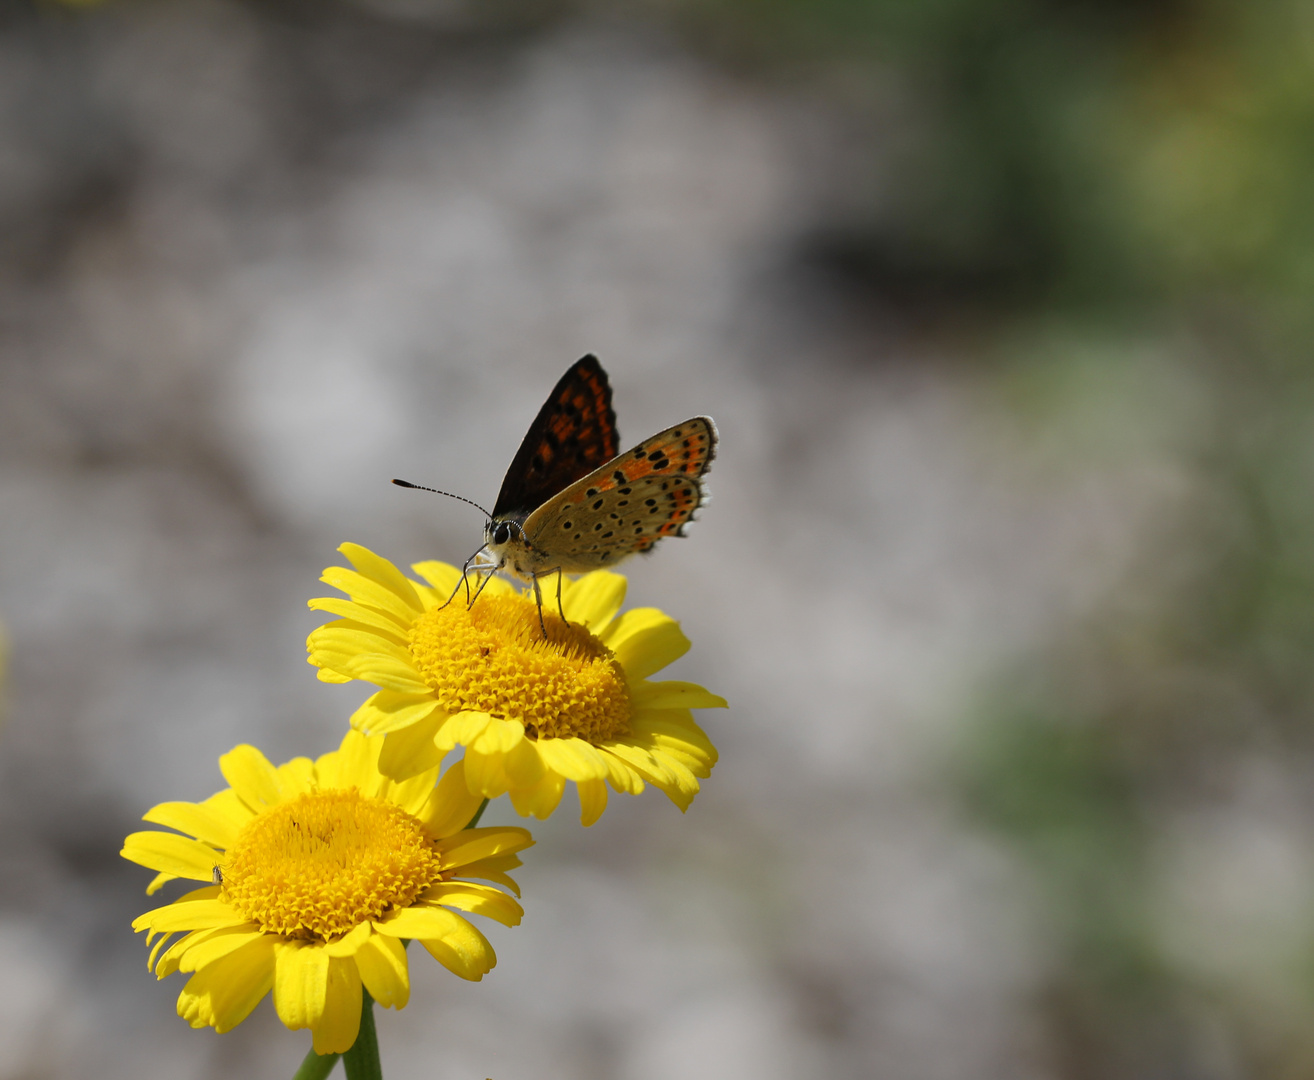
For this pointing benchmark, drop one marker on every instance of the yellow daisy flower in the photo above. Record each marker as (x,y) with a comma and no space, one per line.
(316,871)
(532,713)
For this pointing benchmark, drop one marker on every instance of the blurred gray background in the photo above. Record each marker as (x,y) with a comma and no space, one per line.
(1002,311)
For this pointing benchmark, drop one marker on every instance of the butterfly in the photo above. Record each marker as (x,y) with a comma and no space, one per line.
(571,502)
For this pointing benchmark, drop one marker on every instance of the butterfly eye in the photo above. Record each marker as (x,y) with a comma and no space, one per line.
(502,533)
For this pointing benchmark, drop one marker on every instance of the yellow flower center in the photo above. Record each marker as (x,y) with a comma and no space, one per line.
(493,658)
(323,863)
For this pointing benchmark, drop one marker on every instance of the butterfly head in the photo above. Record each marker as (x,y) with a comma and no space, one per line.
(508,548)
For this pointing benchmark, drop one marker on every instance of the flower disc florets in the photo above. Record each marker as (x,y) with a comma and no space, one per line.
(493,658)
(327,861)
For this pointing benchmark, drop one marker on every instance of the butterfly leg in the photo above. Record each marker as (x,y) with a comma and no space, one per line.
(465,580)
(538,599)
(483,582)
(560,610)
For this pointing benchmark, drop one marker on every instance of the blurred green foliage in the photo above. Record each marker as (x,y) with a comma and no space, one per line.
(1194,677)
(1141,175)
(1070,151)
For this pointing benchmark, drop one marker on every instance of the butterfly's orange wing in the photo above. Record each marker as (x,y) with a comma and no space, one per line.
(628,504)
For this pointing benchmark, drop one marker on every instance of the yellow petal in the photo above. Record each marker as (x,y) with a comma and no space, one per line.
(170,961)
(471,845)
(340,1023)
(463,728)
(206,823)
(440,575)
(353,764)
(336,638)
(417,921)
(189,915)
(674,695)
(485,774)
(619,774)
(645,640)
(381,621)
(379,569)
(250,774)
(386,672)
(381,961)
(371,594)
(180,856)
(349,944)
(641,759)
(411,750)
(343,629)
(476,899)
(488,871)
(222,994)
(540,800)
(594,599)
(218,943)
(388,711)
(228,802)
(677,723)
(412,795)
(688,756)
(498,736)
(158,882)
(672,731)
(682,785)
(300,983)
(572,758)
(450,939)
(205,892)
(155,952)
(524,765)
(592,800)
(450,805)
(192,951)
(295,777)
(464,951)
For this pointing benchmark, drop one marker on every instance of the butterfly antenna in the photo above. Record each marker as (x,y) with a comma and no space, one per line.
(461,498)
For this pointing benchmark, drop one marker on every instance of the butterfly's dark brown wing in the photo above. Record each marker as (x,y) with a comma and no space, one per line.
(573,434)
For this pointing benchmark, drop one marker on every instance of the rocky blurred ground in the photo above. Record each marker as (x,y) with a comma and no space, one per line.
(255,263)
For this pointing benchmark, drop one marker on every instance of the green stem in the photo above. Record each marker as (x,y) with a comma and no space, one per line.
(316,1066)
(478,814)
(362,1060)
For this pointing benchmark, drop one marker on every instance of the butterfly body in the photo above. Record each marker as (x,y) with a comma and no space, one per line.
(570,503)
